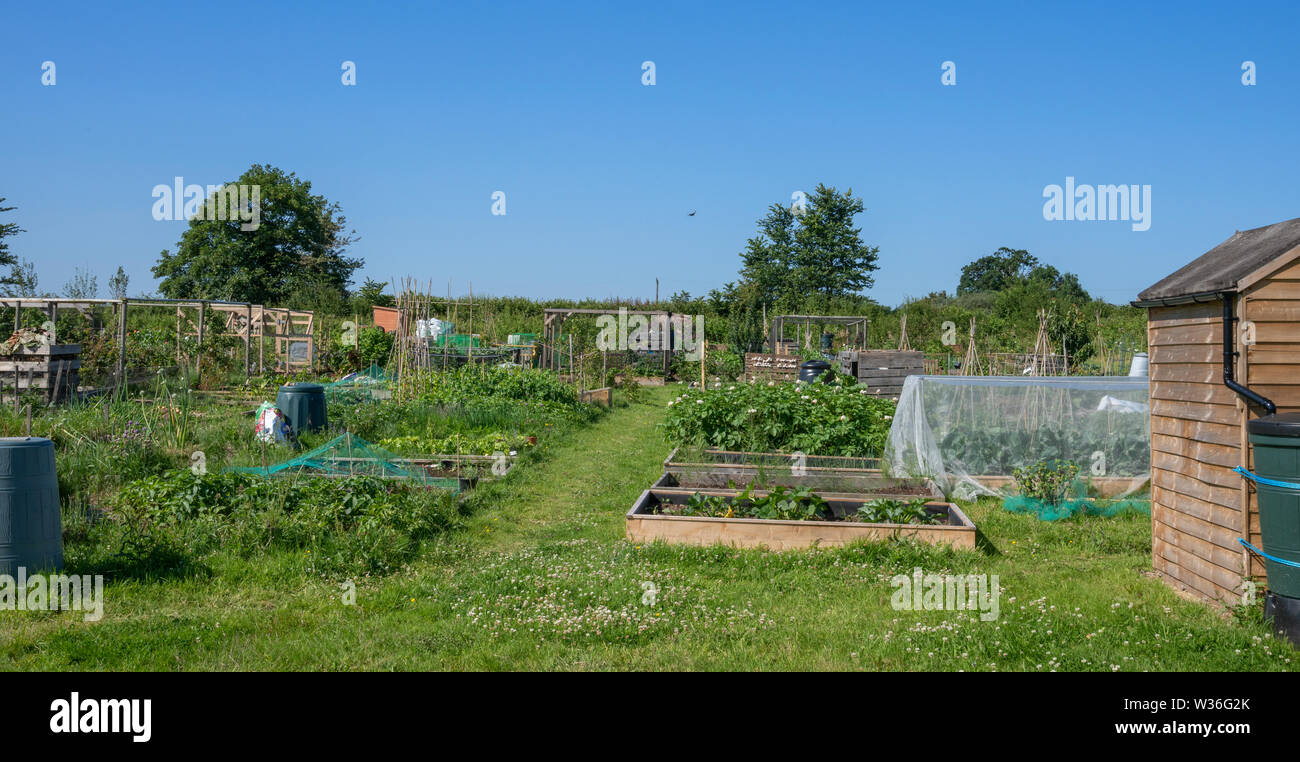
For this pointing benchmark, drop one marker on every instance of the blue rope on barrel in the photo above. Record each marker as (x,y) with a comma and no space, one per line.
(1272,483)
(1262,554)
(1265,480)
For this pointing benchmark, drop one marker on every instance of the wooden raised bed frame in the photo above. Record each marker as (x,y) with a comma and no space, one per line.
(866,486)
(644,526)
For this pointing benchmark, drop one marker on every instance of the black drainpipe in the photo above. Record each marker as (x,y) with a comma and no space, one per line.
(1230,354)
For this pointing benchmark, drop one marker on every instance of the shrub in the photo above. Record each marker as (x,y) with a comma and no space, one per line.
(1045,480)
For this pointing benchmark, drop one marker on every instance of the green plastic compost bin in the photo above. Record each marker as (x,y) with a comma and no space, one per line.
(1276,441)
(31,532)
(303,405)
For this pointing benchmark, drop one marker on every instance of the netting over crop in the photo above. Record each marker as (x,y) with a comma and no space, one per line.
(362,386)
(349,455)
(969,433)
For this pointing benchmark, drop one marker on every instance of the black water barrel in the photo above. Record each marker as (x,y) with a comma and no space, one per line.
(810,370)
(31,532)
(303,405)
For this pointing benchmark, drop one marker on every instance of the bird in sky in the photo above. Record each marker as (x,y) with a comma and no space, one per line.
(692,213)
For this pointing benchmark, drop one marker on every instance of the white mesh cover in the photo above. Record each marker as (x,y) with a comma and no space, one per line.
(969,432)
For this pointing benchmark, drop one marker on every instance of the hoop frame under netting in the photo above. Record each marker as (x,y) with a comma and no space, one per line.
(969,433)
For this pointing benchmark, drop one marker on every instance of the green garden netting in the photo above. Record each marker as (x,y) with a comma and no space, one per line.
(1064,509)
(350,455)
(363,386)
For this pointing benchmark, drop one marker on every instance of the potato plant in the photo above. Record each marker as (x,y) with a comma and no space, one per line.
(816,419)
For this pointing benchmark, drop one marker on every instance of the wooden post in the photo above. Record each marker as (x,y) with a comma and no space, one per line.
(248,338)
(18,314)
(198,353)
(667,350)
(261,339)
(121,345)
(704,348)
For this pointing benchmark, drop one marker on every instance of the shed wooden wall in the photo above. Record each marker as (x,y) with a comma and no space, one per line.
(1197,428)
(1272,363)
(1199,506)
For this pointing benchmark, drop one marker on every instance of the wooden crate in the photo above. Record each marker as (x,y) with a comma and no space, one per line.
(883,371)
(644,525)
(52,370)
(772,367)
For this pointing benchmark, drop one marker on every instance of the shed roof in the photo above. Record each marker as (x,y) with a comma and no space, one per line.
(1221,268)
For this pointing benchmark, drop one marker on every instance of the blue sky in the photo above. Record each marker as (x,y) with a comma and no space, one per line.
(752,102)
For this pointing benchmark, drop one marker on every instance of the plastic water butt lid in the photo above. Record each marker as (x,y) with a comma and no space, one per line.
(1278,425)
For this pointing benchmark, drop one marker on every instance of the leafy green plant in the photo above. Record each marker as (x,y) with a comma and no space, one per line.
(783,503)
(817,419)
(358,525)
(1045,480)
(897,512)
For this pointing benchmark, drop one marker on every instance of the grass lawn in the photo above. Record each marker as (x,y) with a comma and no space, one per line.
(542,578)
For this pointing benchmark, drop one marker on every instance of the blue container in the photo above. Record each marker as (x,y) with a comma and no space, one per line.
(31,532)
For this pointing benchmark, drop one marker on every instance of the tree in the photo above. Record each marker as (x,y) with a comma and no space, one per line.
(371,294)
(297,245)
(798,255)
(745,332)
(118,283)
(996,272)
(7,259)
(84,285)
(22,280)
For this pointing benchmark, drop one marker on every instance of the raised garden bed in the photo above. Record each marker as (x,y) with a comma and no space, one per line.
(1106,486)
(651,519)
(468,469)
(741,460)
(869,486)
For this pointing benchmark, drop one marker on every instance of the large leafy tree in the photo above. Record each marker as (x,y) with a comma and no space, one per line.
(810,254)
(1008,268)
(297,247)
(998,271)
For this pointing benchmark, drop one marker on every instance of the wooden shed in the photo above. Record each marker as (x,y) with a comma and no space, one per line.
(1224,341)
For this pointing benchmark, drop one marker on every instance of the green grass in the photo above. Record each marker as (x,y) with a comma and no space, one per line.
(541,578)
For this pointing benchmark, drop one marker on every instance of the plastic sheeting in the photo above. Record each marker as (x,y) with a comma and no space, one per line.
(969,433)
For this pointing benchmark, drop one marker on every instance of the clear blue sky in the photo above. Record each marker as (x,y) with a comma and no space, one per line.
(752,102)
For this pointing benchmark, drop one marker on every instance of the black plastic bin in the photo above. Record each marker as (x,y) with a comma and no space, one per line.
(303,405)
(811,370)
